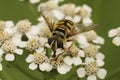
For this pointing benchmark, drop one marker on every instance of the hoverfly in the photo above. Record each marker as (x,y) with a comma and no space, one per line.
(62,30)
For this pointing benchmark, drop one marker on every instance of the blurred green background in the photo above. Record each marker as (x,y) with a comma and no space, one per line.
(106,13)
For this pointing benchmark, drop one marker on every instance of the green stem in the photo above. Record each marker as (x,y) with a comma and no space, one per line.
(113,74)
(32,9)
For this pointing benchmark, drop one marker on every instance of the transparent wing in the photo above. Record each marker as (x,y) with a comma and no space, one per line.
(80,28)
(49,18)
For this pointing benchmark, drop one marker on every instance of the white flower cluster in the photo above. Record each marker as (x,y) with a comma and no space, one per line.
(83,51)
(116,34)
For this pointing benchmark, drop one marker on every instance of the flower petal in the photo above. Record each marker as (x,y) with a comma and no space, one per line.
(76,19)
(81,53)
(58,14)
(9,23)
(45,67)
(81,72)
(22,44)
(9,57)
(63,69)
(68,60)
(34,1)
(101,73)
(100,56)
(33,66)
(0,67)
(29,58)
(19,51)
(99,40)
(81,39)
(112,33)
(91,77)
(88,60)
(49,67)
(77,61)
(1,51)
(116,41)
(100,62)
(87,21)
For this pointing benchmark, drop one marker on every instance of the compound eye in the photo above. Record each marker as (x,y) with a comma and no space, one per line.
(60,44)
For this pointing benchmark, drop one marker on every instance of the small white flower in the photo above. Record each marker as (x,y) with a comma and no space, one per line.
(84,13)
(91,70)
(38,60)
(23,26)
(116,34)
(68,9)
(74,55)
(18,42)
(91,50)
(33,44)
(9,48)
(90,35)
(4,36)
